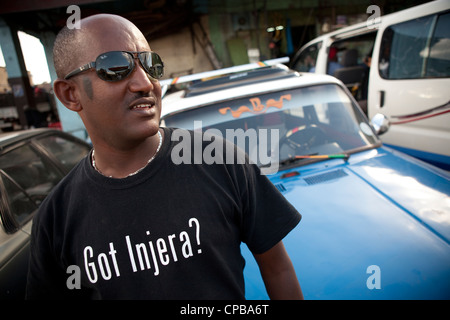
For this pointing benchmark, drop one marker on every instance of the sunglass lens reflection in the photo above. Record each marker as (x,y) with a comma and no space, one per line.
(114,66)
(153,64)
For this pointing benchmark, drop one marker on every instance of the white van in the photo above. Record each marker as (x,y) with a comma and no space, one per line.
(409,76)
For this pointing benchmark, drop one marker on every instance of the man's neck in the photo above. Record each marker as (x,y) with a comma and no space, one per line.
(120,162)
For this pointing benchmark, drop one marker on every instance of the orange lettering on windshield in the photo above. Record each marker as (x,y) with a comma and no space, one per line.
(257,106)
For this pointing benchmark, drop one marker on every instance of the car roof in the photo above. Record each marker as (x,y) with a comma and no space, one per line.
(9,138)
(240,85)
(239,79)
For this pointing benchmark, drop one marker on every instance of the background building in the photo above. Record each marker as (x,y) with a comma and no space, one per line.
(191,35)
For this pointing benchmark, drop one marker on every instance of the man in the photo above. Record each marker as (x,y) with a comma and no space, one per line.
(136,225)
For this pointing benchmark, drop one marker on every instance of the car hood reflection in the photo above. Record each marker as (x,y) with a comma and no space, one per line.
(364,212)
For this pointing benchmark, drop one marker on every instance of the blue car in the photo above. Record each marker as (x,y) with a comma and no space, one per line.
(376,222)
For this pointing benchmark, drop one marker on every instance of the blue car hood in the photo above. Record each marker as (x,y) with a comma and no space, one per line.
(374,227)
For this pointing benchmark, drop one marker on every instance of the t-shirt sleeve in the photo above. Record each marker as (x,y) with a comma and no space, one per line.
(267,216)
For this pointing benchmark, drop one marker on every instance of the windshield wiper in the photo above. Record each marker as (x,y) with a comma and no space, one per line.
(292,159)
(325,156)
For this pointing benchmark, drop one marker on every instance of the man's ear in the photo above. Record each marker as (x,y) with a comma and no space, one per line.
(65,91)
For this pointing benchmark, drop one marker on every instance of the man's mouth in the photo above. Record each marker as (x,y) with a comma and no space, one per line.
(142,106)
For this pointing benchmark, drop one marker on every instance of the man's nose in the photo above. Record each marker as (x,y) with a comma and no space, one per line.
(140,80)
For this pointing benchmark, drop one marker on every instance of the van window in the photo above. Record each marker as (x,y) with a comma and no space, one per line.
(416,49)
(438,64)
(361,44)
(352,63)
(306,62)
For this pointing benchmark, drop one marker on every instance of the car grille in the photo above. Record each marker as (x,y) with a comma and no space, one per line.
(323,177)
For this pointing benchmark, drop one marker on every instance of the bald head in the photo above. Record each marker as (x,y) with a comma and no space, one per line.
(98,33)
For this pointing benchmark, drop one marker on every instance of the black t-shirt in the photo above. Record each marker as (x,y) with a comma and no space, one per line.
(172,231)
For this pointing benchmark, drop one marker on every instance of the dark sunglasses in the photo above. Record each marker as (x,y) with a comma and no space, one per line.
(117,65)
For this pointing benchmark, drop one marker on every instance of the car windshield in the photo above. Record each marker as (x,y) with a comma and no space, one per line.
(297,123)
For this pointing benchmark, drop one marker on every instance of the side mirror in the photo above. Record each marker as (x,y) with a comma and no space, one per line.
(380,123)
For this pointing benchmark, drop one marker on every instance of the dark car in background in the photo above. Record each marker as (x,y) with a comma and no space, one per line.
(32,162)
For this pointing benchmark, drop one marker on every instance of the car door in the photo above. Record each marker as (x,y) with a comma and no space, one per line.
(409,81)
(29,170)
(26,178)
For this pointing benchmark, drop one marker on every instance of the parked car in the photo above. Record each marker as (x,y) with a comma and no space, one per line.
(408,79)
(32,162)
(376,222)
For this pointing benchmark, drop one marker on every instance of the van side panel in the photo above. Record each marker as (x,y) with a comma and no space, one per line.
(417,104)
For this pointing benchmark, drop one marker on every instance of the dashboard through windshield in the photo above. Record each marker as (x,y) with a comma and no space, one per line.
(294,123)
